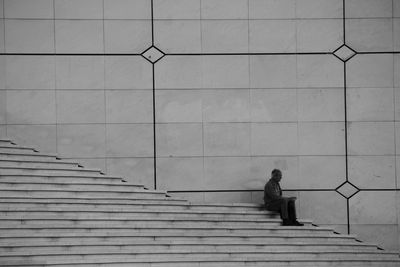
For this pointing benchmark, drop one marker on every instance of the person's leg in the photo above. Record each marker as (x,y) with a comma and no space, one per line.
(281,206)
(292,214)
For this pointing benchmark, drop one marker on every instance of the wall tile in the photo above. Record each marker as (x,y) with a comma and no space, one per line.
(396,34)
(31,107)
(319,35)
(81,140)
(320,104)
(319,8)
(273,139)
(371,138)
(370,34)
(2,9)
(224,9)
(180,174)
(225,36)
(127,73)
(2,43)
(179,72)
(273,105)
(384,235)
(227,197)
(370,71)
(321,138)
(272,36)
(261,168)
(129,140)
(78,9)
(27,9)
(79,36)
(3,131)
(397,103)
(226,139)
(176,9)
(271,9)
(396,9)
(129,106)
(80,106)
(373,172)
(231,173)
(272,71)
(2,72)
(396,70)
(178,36)
(3,105)
(127,9)
(29,36)
(179,139)
(369,8)
(30,72)
(373,208)
(225,72)
(319,71)
(370,104)
(179,106)
(133,170)
(80,72)
(397,129)
(127,36)
(322,207)
(320,172)
(226,106)
(41,137)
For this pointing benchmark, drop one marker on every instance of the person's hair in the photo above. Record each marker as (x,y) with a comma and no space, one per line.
(275,171)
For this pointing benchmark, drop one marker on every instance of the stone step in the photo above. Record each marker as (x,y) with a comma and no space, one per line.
(46,171)
(76,179)
(143,246)
(34,157)
(51,164)
(98,194)
(139,215)
(79,187)
(220,263)
(177,236)
(151,257)
(27,209)
(7,143)
(125,222)
(17,149)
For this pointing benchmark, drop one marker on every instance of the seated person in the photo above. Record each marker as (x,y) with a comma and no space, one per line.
(275,202)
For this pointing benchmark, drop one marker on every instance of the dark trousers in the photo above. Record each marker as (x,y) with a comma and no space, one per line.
(285,206)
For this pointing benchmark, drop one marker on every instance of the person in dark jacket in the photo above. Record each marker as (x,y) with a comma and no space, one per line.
(274,201)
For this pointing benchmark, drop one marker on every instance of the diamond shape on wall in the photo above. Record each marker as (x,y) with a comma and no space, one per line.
(344,53)
(347,190)
(153,54)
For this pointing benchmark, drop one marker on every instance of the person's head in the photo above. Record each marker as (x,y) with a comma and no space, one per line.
(276,175)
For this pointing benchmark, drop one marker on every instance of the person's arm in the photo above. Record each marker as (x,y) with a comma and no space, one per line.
(272,192)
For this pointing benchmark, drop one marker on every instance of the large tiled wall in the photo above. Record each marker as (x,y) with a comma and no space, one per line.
(244,86)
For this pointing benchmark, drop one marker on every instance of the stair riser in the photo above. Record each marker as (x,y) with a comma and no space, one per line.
(71,187)
(64,194)
(7,144)
(128,215)
(197,257)
(55,172)
(49,165)
(53,179)
(18,150)
(145,248)
(125,223)
(27,157)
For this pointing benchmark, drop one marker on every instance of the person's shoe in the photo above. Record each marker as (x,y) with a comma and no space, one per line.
(286,222)
(296,223)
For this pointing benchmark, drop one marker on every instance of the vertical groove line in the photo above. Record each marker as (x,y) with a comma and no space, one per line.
(55,72)
(154,130)
(348,216)
(5,70)
(346,141)
(152,22)
(344,22)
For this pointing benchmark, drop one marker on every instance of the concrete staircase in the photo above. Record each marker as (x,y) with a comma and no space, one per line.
(56,213)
